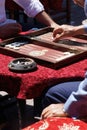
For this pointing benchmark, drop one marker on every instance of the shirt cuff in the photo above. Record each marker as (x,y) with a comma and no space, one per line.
(85,27)
(69,106)
(34,9)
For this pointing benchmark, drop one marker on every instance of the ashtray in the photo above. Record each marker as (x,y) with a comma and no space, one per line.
(22,64)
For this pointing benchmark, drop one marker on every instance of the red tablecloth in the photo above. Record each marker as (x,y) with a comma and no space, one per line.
(31,84)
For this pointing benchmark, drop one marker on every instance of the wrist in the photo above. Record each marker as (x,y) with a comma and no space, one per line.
(65,113)
(85,28)
(79,30)
(54,25)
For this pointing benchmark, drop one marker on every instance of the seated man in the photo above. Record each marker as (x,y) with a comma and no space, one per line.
(33,8)
(67,99)
(69,31)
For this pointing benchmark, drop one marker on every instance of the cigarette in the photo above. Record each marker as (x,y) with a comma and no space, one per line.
(38,118)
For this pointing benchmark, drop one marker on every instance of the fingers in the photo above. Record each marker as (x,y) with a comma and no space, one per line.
(58,37)
(58,34)
(54,110)
(49,111)
(79,2)
(46,115)
(63,31)
(57,31)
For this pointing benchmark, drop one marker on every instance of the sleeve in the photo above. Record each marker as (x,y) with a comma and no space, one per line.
(76,105)
(85,10)
(31,7)
(85,27)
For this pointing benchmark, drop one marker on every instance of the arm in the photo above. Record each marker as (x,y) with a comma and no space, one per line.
(34,8)
(45,18)
(68,31)
(79,2)
(76,105)
(31,7)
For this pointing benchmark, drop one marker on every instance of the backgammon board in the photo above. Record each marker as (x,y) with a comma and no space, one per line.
(39,45)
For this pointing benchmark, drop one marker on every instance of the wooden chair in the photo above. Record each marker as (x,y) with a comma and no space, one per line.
(14,11)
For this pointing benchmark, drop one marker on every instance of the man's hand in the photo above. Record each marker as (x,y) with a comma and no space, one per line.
(54,25)
(54,110)
(79,2)
(65,31)
(10,30)
(44,18)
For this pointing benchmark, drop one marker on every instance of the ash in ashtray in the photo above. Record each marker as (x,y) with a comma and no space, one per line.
(22,65)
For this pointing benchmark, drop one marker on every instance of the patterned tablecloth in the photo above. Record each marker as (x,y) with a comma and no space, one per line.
(31,84)
(58,124)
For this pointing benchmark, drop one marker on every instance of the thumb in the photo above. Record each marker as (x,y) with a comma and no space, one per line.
(57,31)
(58,37)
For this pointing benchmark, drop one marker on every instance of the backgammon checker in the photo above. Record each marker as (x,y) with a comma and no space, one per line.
(22,65)
(39,46)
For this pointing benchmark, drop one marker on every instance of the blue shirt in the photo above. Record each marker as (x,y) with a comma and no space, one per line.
(76,105)
(85,10)
(31,8)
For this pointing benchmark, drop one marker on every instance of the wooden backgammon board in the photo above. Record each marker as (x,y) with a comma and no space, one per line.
(39,46)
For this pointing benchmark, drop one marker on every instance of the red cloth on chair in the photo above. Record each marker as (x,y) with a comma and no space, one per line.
(56,123)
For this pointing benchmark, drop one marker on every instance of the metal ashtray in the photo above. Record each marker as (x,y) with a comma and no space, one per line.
(22,64)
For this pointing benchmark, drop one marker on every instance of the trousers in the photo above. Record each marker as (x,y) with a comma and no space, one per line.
(59,93)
